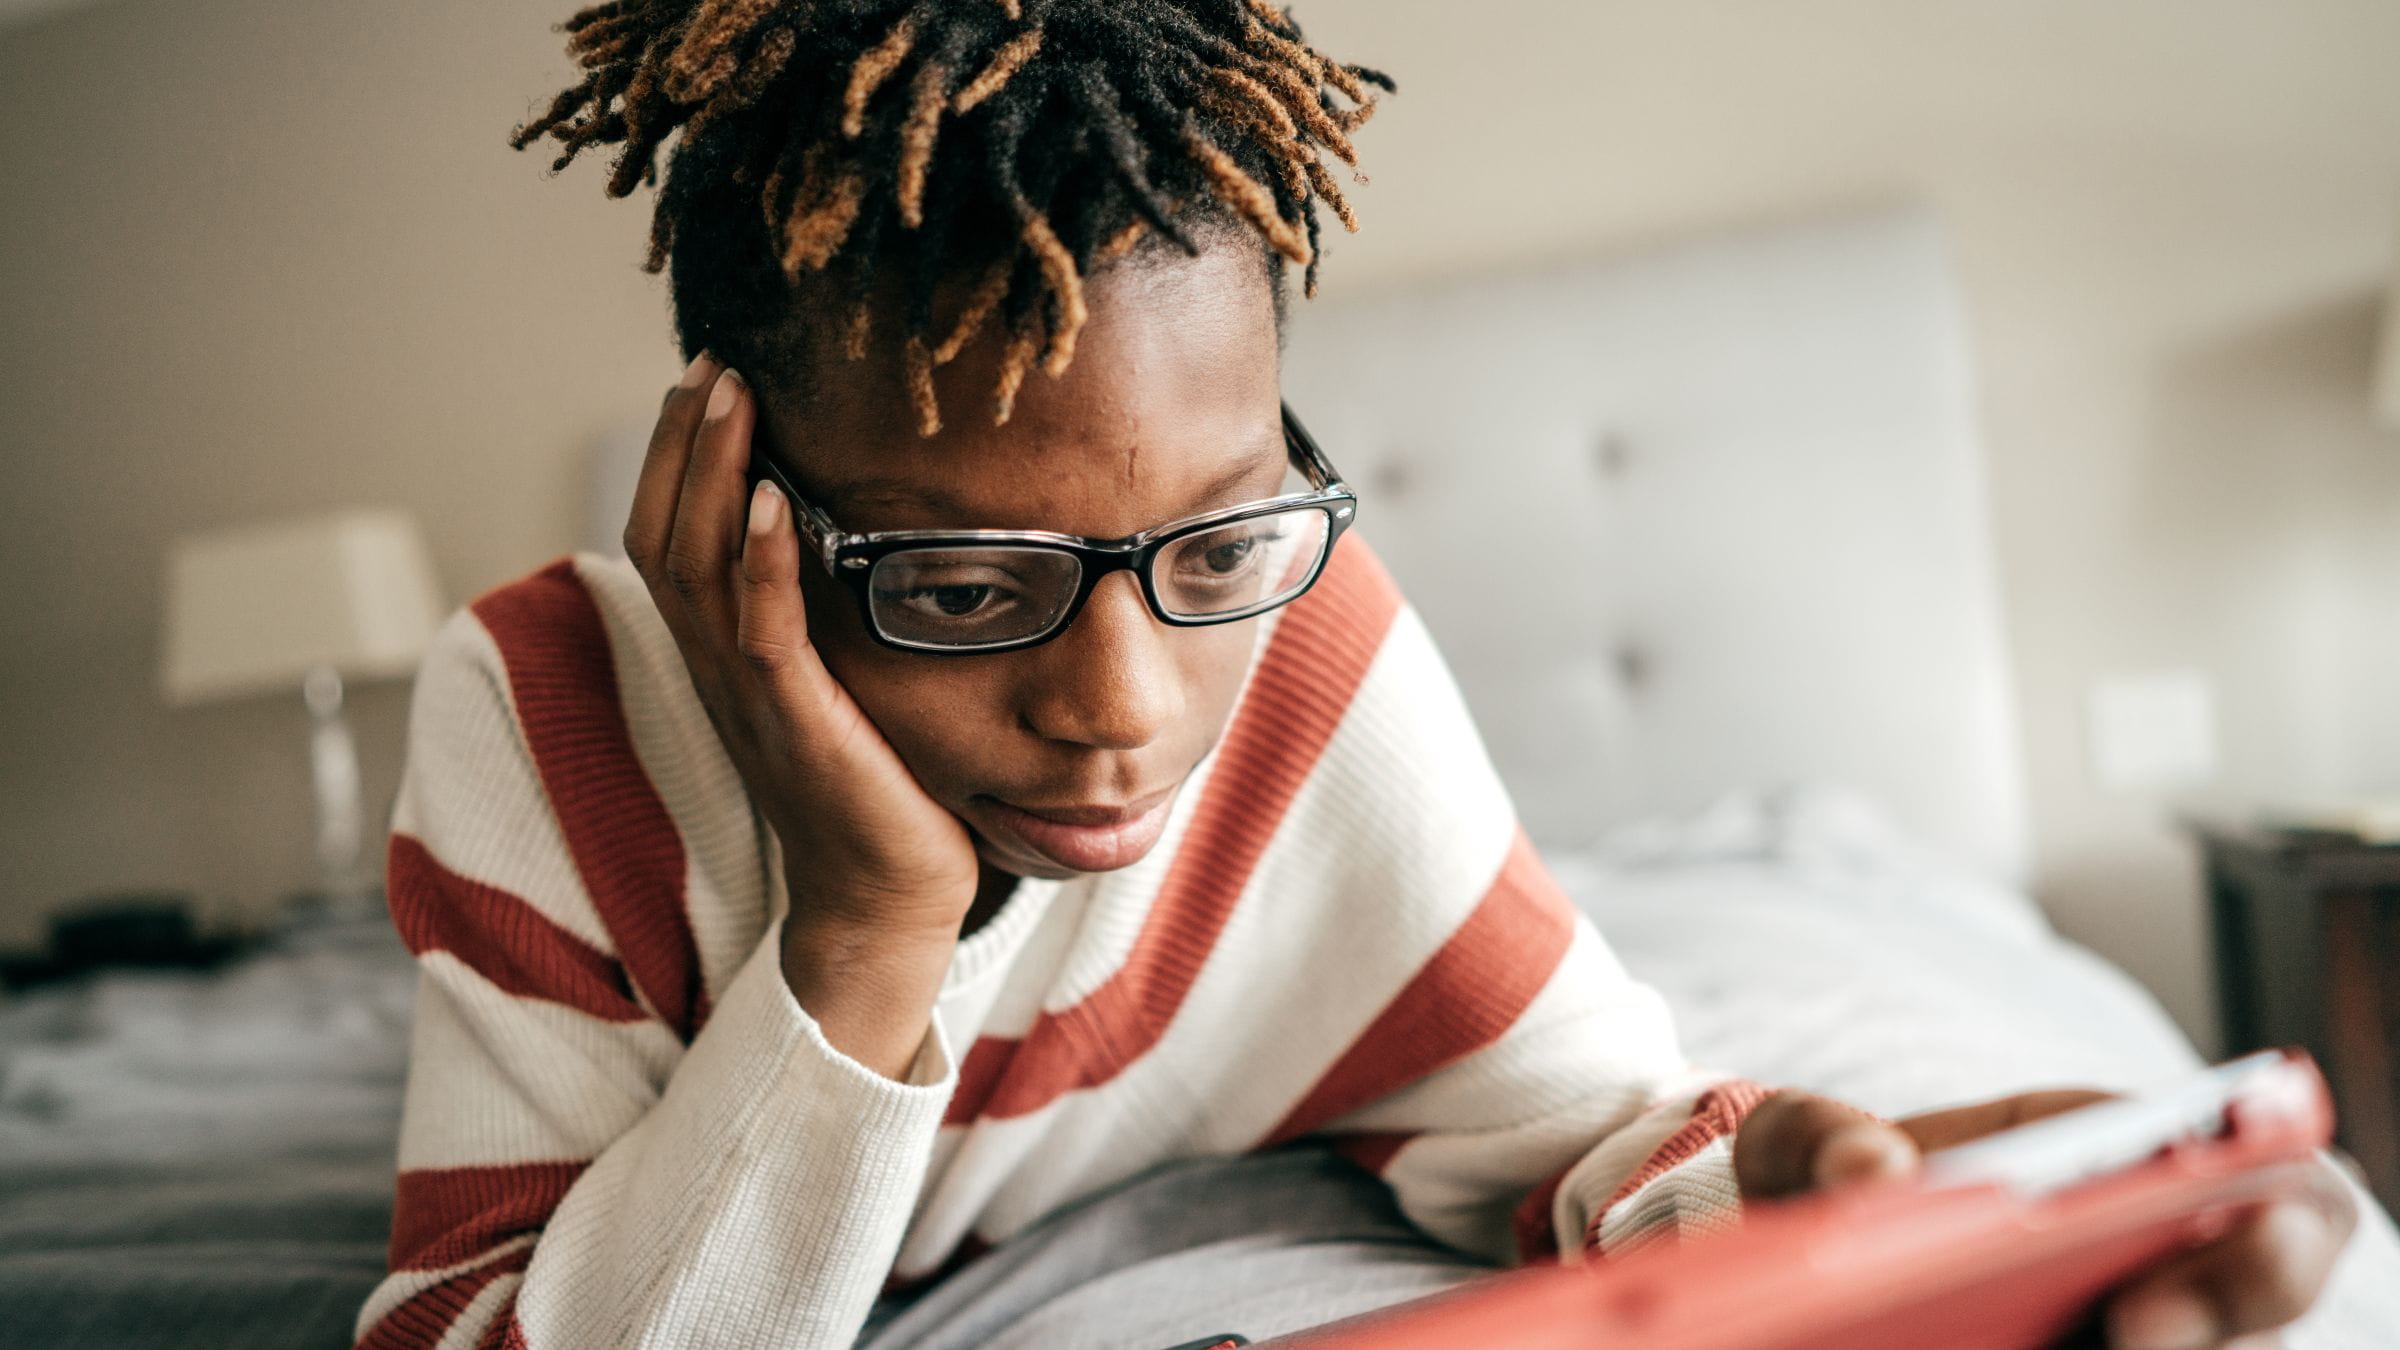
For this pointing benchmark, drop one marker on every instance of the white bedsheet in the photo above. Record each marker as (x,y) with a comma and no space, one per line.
(1803,941)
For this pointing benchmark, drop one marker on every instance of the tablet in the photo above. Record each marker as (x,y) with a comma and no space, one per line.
(2006,1243)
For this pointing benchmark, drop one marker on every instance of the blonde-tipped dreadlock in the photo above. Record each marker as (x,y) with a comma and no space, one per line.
(1019,50)
(992,153)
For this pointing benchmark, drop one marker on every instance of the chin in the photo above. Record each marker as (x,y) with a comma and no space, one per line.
(1030,864)
(1020,865)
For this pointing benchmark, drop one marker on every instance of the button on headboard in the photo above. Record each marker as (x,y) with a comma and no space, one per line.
(1706,519)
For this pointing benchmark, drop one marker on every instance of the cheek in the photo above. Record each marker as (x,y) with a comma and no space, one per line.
(1212,671)
(948,719)
(934,713)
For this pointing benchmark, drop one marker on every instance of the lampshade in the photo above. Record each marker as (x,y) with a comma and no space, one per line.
(253,610)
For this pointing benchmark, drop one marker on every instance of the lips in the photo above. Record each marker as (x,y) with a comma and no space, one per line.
(1089,838)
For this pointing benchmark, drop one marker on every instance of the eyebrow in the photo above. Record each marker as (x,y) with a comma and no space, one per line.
(841,500)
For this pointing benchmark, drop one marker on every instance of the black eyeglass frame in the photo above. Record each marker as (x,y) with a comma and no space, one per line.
(851,558)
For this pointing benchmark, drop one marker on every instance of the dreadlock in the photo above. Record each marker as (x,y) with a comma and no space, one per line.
(984,156)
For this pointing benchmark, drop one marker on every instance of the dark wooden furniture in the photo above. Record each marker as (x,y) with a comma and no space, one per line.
(2307,930)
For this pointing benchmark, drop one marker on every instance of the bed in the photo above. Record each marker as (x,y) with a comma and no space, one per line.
(1754,708)
(203,1159)
(1704,534)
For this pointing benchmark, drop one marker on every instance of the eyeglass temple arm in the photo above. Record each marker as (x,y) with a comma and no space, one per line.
(1304,448)
(816,529)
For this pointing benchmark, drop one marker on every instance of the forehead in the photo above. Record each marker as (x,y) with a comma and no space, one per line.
(1170,407)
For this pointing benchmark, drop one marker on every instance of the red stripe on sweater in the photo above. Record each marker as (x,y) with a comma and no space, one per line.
(502,938)
(562,675)
(979,1074)
(442,1216)
(1463,998)
(1715,1115)
(1304,683)
(427,1316)
(1373,1151)
(1537,1236)
(505,1332)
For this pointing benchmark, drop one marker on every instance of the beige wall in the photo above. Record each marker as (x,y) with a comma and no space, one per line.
(260,256)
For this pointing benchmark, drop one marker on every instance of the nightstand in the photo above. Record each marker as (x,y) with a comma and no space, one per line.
(2307,930)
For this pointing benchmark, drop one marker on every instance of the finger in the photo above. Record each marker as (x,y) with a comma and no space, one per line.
(1956,1125)
(2261,1274)
(2161,1317)
(771,625)
(661,481)
(1796,1141)
(706,540)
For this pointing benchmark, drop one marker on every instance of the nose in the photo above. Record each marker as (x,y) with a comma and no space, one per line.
(1109,681)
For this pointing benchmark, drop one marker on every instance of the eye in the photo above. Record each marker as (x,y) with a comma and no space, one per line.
(968,596)
(955,601)
(964,593)
(1230,553)
(1229,557)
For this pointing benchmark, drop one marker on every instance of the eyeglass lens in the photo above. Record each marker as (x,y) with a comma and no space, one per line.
(1236,568)
(973,597)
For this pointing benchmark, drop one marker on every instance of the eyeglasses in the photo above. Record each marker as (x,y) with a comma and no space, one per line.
(957,591)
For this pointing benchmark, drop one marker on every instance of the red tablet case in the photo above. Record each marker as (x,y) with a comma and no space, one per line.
(1894,1267)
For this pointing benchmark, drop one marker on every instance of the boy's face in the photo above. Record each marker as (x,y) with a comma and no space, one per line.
(1170,408)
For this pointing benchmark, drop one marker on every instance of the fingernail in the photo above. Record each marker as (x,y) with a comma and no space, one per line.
(766,508)
(698,370)
(2160,1321)
(720,399)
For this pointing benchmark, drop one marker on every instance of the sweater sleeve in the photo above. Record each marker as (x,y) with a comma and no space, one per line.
(1522,1093)
(1578,1134)
(572,1174)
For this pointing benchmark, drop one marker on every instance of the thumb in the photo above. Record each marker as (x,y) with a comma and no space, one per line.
(1796,1141)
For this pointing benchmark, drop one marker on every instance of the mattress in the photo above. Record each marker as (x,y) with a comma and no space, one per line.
(203,1159)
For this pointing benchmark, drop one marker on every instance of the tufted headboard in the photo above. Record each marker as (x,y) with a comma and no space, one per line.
(1700,520)
(1703,519)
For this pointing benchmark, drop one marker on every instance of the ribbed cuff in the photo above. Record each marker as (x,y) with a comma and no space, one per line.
(761,1041)
(1669,1174)
(1696,1197)
(793,1157)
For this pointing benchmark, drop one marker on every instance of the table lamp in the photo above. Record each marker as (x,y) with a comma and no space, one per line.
(302,606)
(2387,361)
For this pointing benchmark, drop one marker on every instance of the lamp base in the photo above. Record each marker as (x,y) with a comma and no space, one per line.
(333,764)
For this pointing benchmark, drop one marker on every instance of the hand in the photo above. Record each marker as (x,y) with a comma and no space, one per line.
(881,874)
(2262,1272)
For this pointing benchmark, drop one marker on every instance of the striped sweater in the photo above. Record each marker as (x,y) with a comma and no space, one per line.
(622,1129)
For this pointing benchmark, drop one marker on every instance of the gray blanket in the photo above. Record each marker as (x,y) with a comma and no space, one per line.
(203,1160)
